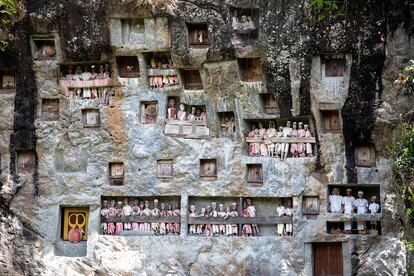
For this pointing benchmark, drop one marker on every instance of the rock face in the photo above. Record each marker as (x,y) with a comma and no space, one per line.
(71,163)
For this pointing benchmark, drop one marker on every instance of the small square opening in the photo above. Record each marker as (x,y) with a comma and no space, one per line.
(43,47)
(365,155)
(250,69)
(333,65)
(128,66)
(133,31)
(116,173)
(254,174)
(228,124)
(192,80)
(26,160)
(91,118)
(50,109)
(149,112)
(75,224)
(7,82)
(310,207)
(331,121)
(165,170)
(208,169)
(198,35)
(270,104)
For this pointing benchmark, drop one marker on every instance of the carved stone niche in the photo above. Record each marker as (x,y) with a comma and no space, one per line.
(25,161)
(116,173)
(165,170)
(133,31)
(250,69)
(149,112)
(330,121)
(50,109)
(244,26)
(365,155)
(91,118)
(43,47)
(192,80)
(208,169)
(270,104)
(310,207)
(228,124)
(7,82)
(128,66)
(74,217)
(197,35)
(255,174)
(333,65)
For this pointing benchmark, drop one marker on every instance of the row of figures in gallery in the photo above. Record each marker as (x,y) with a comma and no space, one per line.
(86,83)
(261,141)
(232,229)
(88,73)
(244,23)
(348,205)
(122,210)
(196,114)
(163,77)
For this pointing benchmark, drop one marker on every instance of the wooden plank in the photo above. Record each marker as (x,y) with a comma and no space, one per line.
(148,219)
(186,123)
(240,220)
(311,140)
(162,72)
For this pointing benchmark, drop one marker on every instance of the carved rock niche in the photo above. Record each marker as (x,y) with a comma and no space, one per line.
(50,109)
(128,66)
(165,170)
(43,47)
(250,69)
(228,124)
(197,35)
(149,112)
(208,169)
(25,161)
(365,155)
(255,174)
(133,31)
(331,122)
(91,118)
(116,173)
(333,65)
(192,80)
(310,207)
(270,104)
(7,82)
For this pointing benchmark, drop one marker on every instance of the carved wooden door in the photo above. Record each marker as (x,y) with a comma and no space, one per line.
(327,259)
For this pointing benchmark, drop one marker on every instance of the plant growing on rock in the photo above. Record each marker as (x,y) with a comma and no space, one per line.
(402,158)
(11,11)
(406,79)
(324,8)
(167,6)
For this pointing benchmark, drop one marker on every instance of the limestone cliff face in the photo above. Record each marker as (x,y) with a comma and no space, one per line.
(71,163)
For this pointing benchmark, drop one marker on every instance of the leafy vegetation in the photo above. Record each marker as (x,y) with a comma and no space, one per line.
(325,8)
(11,11)
(168,6)
(402,156)
(406,79)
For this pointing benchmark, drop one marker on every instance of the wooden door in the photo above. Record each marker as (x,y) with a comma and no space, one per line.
(327,259)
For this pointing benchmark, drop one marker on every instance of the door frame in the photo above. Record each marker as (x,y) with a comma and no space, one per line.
(346,255)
